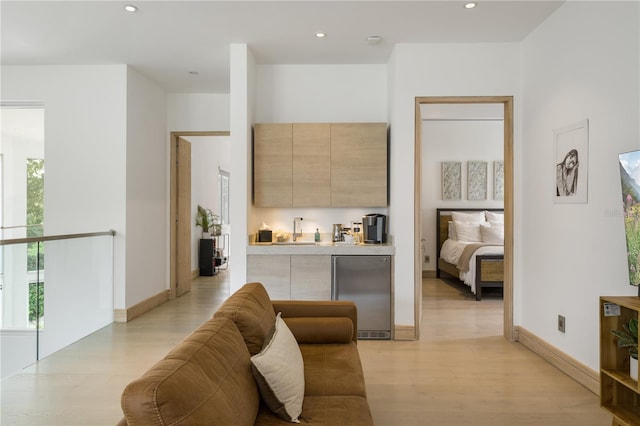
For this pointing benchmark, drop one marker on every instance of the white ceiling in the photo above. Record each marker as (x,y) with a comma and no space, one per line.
(165,40)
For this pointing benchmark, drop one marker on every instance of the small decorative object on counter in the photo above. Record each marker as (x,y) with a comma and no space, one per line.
(317,236)
(281,236)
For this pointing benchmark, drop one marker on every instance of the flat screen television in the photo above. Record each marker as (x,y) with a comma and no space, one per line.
(630,180)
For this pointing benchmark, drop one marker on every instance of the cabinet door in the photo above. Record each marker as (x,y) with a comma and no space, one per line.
(273,271)
(311,277)
(311,165)
(359,165)
(272,165)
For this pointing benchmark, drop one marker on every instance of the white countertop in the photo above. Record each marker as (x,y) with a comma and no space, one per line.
(321,248)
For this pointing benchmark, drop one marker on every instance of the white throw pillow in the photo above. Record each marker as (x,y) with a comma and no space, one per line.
(493,234)
(469,217)
(494,217)
(452,231)
(279,372)
(468,232)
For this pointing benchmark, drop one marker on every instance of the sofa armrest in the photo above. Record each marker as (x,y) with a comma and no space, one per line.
(321,308)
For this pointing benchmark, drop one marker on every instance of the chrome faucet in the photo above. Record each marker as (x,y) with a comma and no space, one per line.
(298,221)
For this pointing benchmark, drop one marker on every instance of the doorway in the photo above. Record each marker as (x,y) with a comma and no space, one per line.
(180,219)
(507,102)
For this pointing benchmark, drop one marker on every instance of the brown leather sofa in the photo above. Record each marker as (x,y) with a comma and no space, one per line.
(207,379)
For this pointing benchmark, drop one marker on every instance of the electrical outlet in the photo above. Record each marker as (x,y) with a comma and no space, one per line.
(427,259)
(561,323)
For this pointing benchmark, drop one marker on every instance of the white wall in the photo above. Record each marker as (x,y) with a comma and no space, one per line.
(85,148)
(197,112)
(321,93)
(242,113)
(455,140)
(146,186)
(434,70)
(582,62)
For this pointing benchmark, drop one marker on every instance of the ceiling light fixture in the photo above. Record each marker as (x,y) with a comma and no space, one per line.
(374,39)
(320,34)
(470,5)
(194,72)
(131,8)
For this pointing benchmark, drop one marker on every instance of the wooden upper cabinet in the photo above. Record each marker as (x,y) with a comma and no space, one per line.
(359,165)
(272,165)
(311,165)
(320,165)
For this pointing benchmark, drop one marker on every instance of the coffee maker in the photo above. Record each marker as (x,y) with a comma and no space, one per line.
(374,228)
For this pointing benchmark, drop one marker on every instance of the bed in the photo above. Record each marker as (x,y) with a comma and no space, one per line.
(475,259)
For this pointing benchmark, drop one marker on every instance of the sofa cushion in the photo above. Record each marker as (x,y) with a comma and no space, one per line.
(332,369)
(321,329)
(325,410)
(251,310)
(206,379)
(279,372)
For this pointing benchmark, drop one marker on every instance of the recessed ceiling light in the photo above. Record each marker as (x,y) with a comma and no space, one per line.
(320,34)
(470,5)
(131,8)
(194,72)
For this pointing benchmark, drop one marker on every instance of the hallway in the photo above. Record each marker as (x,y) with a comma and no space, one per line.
(461,372)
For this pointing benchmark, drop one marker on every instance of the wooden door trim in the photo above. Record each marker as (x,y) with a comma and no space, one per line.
(507,101)
(173,199)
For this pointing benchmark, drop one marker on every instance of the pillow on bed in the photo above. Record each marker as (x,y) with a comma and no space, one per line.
(471,217)
(468,232)
(494,217)
(452,231)
(493,233)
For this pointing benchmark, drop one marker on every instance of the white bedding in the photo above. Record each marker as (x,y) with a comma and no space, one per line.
(451,251)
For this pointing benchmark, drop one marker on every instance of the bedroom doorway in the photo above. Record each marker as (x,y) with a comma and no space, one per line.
(507,104)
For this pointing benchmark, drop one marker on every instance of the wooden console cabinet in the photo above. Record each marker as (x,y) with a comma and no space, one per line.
(619,394)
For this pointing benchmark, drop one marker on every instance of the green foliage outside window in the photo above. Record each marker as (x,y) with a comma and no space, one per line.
(35,216)
(36,304)
(35,210)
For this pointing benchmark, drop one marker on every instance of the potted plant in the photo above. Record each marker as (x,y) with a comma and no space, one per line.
(628,338)
(204,219)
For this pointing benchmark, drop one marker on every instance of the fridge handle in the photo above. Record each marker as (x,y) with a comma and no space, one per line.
(334,279)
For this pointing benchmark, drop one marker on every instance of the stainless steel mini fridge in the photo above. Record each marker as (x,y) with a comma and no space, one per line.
(366,280)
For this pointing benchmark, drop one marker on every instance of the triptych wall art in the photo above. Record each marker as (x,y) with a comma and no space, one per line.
(477,180)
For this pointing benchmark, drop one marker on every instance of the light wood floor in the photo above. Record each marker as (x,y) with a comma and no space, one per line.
(461,372)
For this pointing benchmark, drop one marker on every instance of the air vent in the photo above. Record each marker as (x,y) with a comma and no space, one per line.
(374,335)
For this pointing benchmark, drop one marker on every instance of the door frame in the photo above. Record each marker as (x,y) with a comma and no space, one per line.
(173,201)
(507,101)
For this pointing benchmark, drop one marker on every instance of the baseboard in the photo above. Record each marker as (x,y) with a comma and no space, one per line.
(404,332)
(428,274)
(126,315)
(195,274)
(573,368)
(120,315)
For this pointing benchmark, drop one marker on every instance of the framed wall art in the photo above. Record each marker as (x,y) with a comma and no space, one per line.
(498,180)
(477,180)
(571,165)
(451,180)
